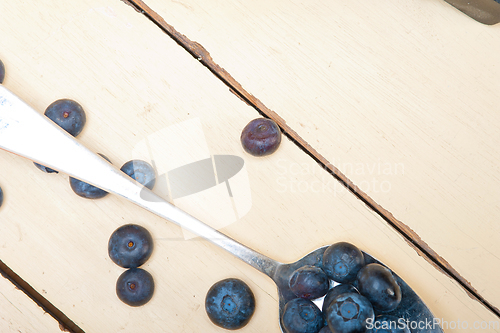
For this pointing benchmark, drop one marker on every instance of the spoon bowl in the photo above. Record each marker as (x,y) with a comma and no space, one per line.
(25,132)
(412,309)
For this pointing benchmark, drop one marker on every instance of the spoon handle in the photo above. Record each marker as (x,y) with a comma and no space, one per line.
(25,132)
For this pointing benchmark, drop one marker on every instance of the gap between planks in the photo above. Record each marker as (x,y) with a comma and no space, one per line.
(65,324)
(412,238)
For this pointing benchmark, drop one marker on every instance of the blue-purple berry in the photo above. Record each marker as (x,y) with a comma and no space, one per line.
(130,246)
(378,285)
(230,304)
(334,292)
(309,282)
(68,114)
(135,287)
(342,262)
(261,137)
(86,190)
(141,171)
(349,313)
(301,315)
(1,197)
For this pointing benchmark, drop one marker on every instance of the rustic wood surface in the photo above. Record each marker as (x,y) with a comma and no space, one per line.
(20,314)
(399,96)
(138,87)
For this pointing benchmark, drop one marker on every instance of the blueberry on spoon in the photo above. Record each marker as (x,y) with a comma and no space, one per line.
(309,282)
(342,262)
(390,324)
(349,313)
(378,285)
(335,291)
(301,315)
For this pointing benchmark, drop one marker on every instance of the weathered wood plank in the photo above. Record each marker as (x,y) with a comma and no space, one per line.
(20,314)
(399,96)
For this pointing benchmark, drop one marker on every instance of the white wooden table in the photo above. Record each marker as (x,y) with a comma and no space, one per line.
(400,97)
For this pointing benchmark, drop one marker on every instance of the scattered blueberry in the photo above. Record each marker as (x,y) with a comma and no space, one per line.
(261,137)
(68,114)
(309,282)
(141,171)
(342,262)
(1,197)
(45,169)
(335,291)
(230,304)
(378,285)
(301,315)
(389,324)
(86,190)
(2,72)
(130,246)
(135,287)
(349,313)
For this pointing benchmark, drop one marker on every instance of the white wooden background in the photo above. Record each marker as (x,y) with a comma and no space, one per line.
(408,85)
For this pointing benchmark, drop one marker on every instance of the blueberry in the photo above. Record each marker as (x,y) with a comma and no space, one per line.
(301,315)
(2,72)
(45,169)
(325,329)
(141,171)
(86,190)
(342,262)
(130,246)
(261,137)
(378,285)
(309,282)
(1,197)
(68,114)
(230,304)
(389,324)
(335,291)
(135,287)
(349,313)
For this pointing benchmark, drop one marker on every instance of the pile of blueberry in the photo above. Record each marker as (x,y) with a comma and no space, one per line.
(130,246)
(363,297)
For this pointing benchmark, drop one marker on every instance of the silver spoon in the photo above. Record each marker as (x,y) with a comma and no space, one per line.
(25,132)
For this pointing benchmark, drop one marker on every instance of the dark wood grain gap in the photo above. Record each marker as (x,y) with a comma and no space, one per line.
(411,237)
(65,324)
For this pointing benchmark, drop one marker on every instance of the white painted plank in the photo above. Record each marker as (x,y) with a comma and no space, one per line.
(401,96)
(18,313)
